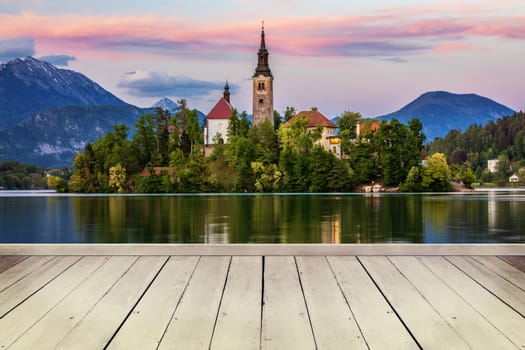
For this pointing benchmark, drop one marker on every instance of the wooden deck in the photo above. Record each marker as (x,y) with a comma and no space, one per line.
(249,301)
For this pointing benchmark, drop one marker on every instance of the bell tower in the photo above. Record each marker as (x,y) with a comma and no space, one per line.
(262,82)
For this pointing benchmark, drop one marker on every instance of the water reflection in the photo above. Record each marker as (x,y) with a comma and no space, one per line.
(374,218)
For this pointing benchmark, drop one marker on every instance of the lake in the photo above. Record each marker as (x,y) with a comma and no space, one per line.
(475,217)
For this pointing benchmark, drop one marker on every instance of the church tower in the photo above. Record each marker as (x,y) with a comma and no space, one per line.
(262,86)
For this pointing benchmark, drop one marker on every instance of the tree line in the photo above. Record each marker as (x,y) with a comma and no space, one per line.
(257,158)
(20,176)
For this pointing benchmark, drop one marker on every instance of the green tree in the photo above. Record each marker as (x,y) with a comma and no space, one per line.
(347,124)
(57,183)
(276,120)
(266,142)
(289,113)
(436,175)
(161,119)
(144,142)
(233,125)
(117,178)
(503,167)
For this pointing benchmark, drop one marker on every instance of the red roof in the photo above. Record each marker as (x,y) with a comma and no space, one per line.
(366,127)
(316,119)
(222,110)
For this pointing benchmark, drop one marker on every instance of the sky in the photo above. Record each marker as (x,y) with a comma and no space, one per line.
(370,57)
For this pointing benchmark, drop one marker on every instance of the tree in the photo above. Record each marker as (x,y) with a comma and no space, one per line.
(57,183)
(289,113)
(436,175)
(117,178)
(276,120)
(267,178)
(503,167)
(266,142)
(414,180)
(161,119)
(144,142)
(233,124)
(347,124)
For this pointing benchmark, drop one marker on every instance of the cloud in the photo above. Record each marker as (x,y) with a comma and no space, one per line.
(160,84)
(16,47)
(58,60)
(378,34)
(375,49)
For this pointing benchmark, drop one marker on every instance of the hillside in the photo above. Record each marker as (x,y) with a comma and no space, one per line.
(29,85)
(52,137)
(441,111)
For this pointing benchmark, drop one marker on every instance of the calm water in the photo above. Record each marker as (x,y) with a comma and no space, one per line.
(349,218)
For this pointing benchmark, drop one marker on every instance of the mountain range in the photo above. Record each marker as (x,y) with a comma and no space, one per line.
(30,85)
(48,114)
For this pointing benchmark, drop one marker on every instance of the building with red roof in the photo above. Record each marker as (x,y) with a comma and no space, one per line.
(329,139)
(216,122)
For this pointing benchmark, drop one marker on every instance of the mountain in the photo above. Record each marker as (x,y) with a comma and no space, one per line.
(166,103)
(52,137)
(442,111)
(29,85)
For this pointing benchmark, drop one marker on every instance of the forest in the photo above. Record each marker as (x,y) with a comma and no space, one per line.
(168,149)
(469,151)
(20,176)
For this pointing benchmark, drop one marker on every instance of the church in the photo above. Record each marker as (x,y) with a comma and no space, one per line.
(216,122)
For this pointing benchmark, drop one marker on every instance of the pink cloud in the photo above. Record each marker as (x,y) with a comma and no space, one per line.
(384,33)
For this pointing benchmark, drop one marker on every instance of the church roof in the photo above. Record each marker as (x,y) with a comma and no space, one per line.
(316,119)
(222,110)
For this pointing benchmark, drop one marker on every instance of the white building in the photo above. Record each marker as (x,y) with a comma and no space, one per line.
(216,122)
(491,165)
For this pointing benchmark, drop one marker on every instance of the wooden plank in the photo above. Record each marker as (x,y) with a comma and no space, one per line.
(497,313)
(472,327)
(24,288)
(496,284)
(95,330)
(262,249)
(516,261)
(333,323)
(9,261)
(147,323)
(60,320)
(18,321)
(285,322)
(191,326)
(20,270)
(239,322)
(379,324)
(505,270)
(427,326)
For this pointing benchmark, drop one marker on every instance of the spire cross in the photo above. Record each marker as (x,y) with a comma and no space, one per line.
(263,24)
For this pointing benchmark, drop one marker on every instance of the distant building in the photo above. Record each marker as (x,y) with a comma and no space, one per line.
(491,165)
(367,127)
(514,178)
(216,122)
(262,82)
(329,140)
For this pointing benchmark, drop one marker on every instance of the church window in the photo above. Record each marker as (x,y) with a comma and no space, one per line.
(261,101)
(261,85)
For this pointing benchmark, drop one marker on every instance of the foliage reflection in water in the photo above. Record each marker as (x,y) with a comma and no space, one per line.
(300,218)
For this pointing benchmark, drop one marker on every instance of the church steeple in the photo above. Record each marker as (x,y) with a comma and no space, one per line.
(226,92)
(263,68)
(262,86)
